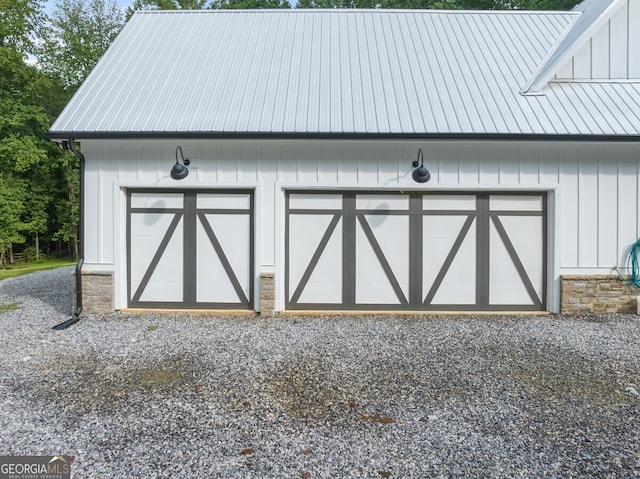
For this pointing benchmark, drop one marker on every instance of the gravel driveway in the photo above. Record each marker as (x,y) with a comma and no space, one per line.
(186,396)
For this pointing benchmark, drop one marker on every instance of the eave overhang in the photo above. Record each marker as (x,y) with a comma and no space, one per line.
(108,135)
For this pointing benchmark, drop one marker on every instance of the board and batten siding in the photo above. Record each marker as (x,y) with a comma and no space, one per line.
(612,53)
(594,200)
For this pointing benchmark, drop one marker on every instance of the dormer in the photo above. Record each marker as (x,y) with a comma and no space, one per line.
(603,44)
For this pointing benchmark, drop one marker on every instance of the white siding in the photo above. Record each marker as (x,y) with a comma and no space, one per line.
(612,52)
(596,186)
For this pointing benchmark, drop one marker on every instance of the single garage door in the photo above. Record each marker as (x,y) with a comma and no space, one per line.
(418,251)
(190,249)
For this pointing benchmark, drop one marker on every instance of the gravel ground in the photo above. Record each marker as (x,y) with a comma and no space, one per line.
(316,397)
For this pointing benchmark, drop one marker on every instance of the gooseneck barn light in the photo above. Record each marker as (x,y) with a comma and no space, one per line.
(420,174)
(180,171)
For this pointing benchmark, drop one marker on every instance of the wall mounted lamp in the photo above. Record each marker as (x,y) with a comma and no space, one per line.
(180,171)
(420,174)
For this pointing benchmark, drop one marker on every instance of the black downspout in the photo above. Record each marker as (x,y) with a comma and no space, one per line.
(71,144)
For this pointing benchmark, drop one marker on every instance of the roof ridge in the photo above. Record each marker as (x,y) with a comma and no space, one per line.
(365,10)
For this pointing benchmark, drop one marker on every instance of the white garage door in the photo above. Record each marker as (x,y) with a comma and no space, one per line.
(415,251)
(190,249)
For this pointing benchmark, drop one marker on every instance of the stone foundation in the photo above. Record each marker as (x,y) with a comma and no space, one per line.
(597,294)
(267,294)
(97,292)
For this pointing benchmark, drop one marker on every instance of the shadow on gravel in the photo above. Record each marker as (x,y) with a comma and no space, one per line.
(51,287)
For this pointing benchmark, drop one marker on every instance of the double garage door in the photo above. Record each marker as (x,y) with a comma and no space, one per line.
(415,251)
(194,249)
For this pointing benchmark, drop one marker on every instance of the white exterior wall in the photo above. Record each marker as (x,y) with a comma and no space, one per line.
(612,53)
(594,202)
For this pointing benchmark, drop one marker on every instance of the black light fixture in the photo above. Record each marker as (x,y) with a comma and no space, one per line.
(420,174)
(180,171)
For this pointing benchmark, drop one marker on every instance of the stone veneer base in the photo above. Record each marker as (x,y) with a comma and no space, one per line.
(97,292)
(605,293)
(267,294)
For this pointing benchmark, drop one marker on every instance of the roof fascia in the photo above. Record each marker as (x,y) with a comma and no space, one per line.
(61,136)
(552,63)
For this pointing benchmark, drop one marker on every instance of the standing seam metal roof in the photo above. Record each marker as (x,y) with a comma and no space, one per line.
(369,72)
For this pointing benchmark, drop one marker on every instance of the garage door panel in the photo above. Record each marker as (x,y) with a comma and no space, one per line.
(324,285)
(309,236)
(449,203)
(315,201)
(162,291)
(449,267)
(315,248)
(232,233)
(148,229)
(156,272)
(510,282)
(382,255)
(506,284)
(157,200)
(382,203)
(526,236)
(223,201)
(516,203)
(382,259)
(222,266)
(165,281)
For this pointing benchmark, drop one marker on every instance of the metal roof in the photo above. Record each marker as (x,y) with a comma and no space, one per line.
(386,73)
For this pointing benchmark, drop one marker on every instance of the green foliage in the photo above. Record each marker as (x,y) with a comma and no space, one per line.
(67,207)
(204,4)
(23,150)
(8,307)
(26,268)
(443,4)
(12,195)
(19,23)
(36,199)
(165,5)
(547,4)
(250,4)
(79,34)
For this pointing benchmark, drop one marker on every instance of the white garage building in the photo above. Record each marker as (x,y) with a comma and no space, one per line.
(301,129)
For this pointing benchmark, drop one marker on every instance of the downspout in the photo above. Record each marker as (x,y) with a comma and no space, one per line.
(71,145)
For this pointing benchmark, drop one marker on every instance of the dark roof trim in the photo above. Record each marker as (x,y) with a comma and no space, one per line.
(104,135)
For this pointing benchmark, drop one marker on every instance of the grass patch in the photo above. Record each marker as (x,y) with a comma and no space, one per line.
(25,268)
(8,307)
(152,327)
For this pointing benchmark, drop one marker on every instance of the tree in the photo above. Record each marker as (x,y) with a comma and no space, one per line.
(19,22)
(165,5)
(23,150)
(67,205)
(443,4)
(79,34)
(546,4)
(204,4)
(250,4)
(11,201)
